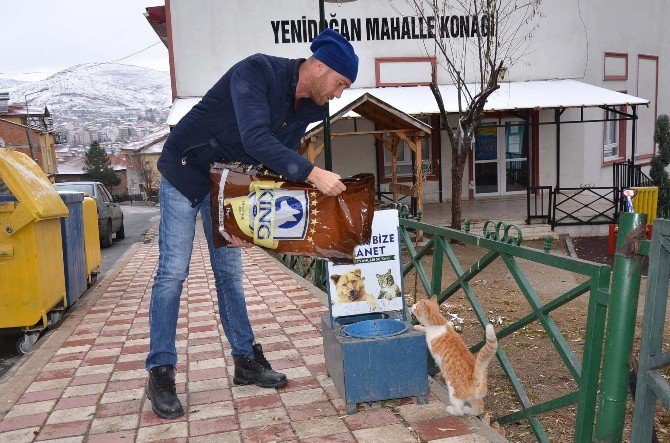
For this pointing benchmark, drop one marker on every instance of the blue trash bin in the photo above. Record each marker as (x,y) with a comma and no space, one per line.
(74,259)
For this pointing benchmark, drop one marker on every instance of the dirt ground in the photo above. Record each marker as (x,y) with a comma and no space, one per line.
(535,360)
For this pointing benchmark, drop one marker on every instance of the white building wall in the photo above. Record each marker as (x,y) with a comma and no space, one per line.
(209,36)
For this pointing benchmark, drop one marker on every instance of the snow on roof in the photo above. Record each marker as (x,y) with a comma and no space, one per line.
(180,107)
(150,140)
(75,166)
(417,100)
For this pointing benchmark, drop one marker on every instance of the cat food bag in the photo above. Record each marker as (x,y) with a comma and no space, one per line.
(263,208)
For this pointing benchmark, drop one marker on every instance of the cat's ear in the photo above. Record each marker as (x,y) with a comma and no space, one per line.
(379,275)
(357,272)
(335,278)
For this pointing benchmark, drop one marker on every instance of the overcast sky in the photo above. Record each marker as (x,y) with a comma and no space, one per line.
(41,37)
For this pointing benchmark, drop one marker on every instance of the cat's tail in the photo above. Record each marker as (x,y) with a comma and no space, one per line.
(486,353)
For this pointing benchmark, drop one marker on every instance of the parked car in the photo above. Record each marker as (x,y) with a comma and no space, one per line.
(110,216)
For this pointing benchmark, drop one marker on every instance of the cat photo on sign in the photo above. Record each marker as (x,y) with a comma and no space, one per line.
(388,289)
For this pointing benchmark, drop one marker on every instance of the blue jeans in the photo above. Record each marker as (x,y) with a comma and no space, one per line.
(175,244)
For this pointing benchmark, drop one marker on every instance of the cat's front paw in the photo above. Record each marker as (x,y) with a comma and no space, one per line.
(453,411)
(419,328)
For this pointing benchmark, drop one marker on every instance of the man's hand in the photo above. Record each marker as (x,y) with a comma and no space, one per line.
(236,241)
(325,181)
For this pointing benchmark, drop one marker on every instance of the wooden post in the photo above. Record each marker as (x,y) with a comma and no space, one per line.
(394,166)
(311,151)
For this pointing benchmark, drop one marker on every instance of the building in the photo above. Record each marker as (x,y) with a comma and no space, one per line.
(73,171)
(30,132)
(565,112)
(141,158)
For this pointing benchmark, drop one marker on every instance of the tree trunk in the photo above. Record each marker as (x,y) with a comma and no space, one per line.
(456,189)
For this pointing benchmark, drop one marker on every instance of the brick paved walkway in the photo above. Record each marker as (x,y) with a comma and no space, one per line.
(90,385)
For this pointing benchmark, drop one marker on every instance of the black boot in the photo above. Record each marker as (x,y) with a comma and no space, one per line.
(252,372)
(259,356)
(162,392)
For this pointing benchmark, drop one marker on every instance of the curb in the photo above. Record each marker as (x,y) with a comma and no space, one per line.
(15,381)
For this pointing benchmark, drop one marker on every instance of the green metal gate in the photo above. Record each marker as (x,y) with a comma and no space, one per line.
(651,386)
(504,242)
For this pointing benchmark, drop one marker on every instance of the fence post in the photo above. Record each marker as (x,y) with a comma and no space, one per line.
(620,327)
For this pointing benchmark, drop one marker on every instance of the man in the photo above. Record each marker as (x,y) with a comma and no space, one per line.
(256,114)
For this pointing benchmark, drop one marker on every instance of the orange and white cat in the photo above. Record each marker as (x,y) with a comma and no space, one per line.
(464,373)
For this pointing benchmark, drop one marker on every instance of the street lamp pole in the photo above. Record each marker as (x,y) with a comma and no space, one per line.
(323,24)
(328,160)
(28,131)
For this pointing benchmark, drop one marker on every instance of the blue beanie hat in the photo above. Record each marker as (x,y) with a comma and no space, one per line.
(336,52)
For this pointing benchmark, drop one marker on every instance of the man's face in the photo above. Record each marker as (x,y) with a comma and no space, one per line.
(327,85)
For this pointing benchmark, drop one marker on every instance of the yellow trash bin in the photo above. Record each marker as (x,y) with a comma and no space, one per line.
(91,239)
(645,201)
(32,276)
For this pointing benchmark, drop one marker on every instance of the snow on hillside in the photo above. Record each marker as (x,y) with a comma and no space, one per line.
(90,91)
(7,84)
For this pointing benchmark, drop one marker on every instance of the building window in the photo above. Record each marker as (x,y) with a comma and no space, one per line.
(611,135)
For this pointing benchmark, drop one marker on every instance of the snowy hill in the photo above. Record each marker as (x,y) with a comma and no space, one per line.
(7,84)
(100,92)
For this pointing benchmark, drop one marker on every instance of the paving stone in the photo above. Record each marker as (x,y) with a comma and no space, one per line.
(208,385)
(384,434)
(62,430)
(71,415)
(263,417)
(162,432)
(280,432)
(414,412)
(443,427)
(319,426)
(198,398)
(258,402)
(48,384)
(112,437)
(211,410)
(95,369)
(251,390)
(31,408)
(21,435)
(363,419)
(77,402)
(114,424)
(79,390)
(304,397)
(130,394)
(222,437)
(218,425)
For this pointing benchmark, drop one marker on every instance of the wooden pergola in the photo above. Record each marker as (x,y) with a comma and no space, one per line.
(392,126)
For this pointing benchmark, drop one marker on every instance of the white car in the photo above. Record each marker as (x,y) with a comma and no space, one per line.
(110,216)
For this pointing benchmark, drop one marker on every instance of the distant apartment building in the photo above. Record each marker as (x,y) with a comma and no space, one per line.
(29,131)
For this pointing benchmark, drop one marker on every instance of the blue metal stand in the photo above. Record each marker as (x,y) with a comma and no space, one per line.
(374,369)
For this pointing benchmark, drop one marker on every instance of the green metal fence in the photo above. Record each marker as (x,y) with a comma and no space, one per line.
(651,385)
(504,243)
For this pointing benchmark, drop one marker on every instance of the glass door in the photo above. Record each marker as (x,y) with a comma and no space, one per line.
(515,165)
(486,161)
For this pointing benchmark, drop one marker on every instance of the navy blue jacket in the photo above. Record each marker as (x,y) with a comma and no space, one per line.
(249,116)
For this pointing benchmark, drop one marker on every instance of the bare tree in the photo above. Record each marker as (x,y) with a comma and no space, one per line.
(494,34)
(147,176)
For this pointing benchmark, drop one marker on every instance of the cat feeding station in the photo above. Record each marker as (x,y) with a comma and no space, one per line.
(371,351)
